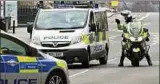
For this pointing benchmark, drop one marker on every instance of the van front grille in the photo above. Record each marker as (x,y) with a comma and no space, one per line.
(55,44)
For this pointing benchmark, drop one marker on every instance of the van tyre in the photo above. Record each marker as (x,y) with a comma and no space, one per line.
(85,62)
(104,59)
(56,77)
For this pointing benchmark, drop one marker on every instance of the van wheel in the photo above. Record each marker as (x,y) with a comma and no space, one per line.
(85,62)
(56,78)
(104,59)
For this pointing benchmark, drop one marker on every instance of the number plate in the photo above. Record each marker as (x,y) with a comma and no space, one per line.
(56,54)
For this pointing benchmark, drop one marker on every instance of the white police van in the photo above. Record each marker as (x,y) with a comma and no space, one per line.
(73,34)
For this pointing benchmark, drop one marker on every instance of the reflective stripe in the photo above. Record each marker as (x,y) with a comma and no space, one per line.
(85,38)
(126,35)
(145,34)
(95,37)
(61,64)
(29,71)
(142,31)
(26,59)
(28,64)
(107,35)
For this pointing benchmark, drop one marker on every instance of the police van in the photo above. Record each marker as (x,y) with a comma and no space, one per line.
(76,35)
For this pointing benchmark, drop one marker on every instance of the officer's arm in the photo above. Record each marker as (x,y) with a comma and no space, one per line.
(120,26)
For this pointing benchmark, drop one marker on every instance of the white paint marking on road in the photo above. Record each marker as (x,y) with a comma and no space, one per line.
(148,14)
(113,37)
(79,73)
(155,39)
(112,59)
(153,44)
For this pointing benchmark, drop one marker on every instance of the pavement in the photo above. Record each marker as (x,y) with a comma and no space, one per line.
(111,73)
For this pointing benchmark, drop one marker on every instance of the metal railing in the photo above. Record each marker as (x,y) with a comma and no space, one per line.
(26,13)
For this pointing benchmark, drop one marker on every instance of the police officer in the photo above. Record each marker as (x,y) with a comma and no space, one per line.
(128,18)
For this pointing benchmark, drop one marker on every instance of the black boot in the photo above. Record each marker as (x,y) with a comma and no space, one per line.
(149,60)
(121,60)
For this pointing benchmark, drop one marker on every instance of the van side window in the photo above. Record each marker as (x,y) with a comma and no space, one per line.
(97,20)
(101,21)
(105,20)
(103,24)
(91,18)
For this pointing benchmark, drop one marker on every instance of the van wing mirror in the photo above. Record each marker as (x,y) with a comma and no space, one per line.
(32,51)
(29,27)
(92,27)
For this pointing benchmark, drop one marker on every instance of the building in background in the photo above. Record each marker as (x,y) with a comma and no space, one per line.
(10,8)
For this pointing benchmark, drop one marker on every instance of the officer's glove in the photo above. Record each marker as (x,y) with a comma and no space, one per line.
(117,21)
(147,39)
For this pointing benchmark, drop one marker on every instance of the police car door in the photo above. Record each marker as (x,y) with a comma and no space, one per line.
(18,67)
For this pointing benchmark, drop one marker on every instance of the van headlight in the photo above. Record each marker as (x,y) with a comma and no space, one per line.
(76,39)
(36,40)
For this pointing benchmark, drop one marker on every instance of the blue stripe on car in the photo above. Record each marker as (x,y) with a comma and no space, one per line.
(9,67)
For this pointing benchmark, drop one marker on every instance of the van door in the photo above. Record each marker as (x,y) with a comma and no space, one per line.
(92,36)
(100,34)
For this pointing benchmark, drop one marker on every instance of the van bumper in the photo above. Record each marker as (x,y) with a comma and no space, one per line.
(71,55)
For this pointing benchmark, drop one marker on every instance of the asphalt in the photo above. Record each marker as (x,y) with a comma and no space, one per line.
(111,73)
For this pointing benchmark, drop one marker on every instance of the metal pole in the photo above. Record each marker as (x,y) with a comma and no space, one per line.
(6,24)
(0,8)
(13,26)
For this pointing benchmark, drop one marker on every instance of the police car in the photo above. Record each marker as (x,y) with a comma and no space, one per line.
(22,64)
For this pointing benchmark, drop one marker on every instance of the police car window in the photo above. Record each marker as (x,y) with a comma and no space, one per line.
(10,47)
(61,19)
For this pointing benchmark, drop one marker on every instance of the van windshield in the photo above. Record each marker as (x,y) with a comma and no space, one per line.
(66,19)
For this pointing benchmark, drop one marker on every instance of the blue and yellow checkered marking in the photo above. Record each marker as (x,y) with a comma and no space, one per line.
(27,64)
(95,37)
